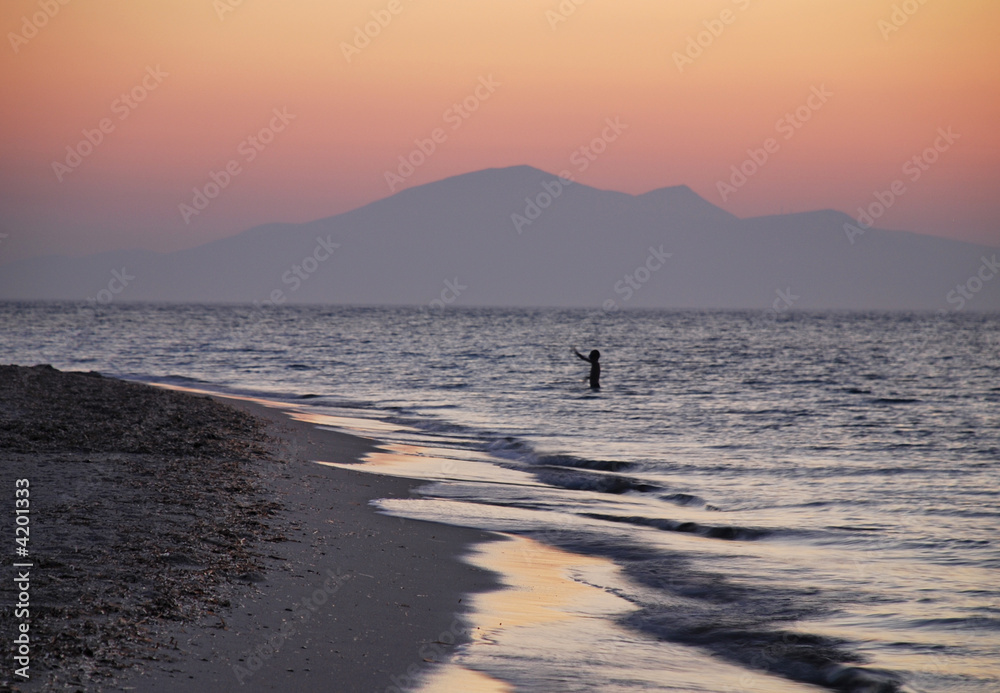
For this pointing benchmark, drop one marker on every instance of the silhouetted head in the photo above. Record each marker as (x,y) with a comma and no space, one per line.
(595,355)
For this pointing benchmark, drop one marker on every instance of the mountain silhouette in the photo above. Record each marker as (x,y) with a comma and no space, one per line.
(519,236)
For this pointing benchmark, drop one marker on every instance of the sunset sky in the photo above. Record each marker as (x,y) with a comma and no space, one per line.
(200,77)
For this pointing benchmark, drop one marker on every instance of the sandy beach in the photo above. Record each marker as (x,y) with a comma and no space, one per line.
(187,543)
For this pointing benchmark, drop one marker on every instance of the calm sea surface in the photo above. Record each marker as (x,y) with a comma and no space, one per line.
(748,504)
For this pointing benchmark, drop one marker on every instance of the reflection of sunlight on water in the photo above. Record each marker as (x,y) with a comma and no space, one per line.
(556,637)
(417,462)
(193,390)
(349,423)
(538,586)
(552,628)
(453,678)
(422,450)
(942,653)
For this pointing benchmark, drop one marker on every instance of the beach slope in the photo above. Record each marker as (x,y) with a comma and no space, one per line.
(181,542)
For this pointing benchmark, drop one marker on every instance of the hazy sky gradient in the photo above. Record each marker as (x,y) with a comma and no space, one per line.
(558,83)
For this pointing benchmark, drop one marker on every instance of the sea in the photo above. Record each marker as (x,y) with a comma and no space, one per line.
(802,501)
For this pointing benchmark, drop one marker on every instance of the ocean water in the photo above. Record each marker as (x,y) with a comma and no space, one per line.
(749,503)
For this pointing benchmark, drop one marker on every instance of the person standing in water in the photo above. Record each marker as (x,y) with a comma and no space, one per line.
(595,367)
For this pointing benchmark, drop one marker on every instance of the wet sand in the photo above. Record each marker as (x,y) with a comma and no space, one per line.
(192,544)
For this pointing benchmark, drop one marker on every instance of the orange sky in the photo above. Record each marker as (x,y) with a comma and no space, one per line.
(558,77)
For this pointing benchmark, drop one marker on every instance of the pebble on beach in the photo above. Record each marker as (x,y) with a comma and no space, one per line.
(145,510)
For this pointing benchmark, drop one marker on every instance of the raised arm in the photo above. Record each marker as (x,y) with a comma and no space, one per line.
(585,358)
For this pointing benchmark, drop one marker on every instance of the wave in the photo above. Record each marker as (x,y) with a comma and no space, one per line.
(734,620)
(507,445)
(966,623)
(805,657)
(174,379)
(576,480)
(428,425)
(583,463)
(687,499)
(727,532)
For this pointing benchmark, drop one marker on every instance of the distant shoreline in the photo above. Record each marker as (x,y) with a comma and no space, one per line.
(191,543)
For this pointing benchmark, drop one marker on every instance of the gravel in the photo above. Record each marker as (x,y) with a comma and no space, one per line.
(145,509)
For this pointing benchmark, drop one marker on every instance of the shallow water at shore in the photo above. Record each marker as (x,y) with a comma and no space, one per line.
(804,502)
(553,626)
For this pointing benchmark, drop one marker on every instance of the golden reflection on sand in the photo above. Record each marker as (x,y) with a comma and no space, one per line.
(257,400)
(539,586)
(348,422)
(453,678)
(548,611)
(419,462)
(431,451)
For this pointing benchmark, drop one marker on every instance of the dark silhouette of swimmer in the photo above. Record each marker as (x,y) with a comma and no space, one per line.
(595,366)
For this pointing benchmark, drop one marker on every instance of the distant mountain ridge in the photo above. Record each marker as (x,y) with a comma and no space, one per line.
(463,241)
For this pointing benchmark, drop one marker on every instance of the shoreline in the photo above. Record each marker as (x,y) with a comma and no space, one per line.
(334,595)
(395,587)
